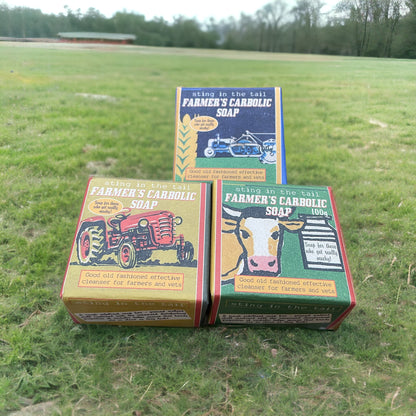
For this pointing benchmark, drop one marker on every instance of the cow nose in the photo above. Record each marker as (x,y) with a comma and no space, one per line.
(263,263)
(270,263)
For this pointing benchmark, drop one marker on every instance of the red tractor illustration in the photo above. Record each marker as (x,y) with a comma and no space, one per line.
(132,238)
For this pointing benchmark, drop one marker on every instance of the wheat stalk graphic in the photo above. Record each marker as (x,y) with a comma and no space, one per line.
(186,147)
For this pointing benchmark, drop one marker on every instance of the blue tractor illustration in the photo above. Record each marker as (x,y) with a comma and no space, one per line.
(247,145)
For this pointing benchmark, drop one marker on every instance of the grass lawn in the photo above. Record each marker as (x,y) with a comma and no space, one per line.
(69,112)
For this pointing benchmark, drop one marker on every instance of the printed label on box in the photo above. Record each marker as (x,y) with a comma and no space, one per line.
(276,319)
(135,316)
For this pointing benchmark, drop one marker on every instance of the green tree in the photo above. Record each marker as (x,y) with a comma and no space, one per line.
(270,25)
(188,33)
(94,21)
(5,21)
(356,22)
(334,38)
(73,18)
(371,24)
(404,44)
(306,26)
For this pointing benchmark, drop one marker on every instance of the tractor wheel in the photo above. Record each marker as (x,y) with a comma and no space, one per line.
(90,244)
(127,256)
(209,152)
(185,254)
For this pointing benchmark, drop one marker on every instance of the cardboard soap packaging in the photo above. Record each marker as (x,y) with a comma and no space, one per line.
(278,257)
(140,254)
(230,134)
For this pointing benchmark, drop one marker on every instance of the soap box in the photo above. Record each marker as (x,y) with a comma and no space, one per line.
(278,257)
(140,255)
(233,134)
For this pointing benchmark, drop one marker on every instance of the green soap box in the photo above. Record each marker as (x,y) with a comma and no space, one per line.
(278,257)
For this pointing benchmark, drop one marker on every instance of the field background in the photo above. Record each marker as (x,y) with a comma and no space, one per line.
(68,112)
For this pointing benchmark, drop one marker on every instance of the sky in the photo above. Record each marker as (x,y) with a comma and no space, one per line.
(168,9)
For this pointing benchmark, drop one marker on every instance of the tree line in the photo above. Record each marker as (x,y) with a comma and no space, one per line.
(378,28)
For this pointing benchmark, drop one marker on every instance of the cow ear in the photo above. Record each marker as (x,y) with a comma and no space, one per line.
(291,225)
(228,225)
(231,212)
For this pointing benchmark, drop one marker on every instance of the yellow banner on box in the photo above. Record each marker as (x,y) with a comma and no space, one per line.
(130,280)
(226,174)
(285,286)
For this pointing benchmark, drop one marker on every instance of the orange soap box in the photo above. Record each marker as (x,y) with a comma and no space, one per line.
(140,254)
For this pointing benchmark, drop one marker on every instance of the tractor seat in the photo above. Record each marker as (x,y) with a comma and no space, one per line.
(114,223)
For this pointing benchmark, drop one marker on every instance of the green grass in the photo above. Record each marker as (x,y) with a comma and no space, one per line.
(349,123)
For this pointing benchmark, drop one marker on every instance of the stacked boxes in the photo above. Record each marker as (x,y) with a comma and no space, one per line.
(141,254)
(265,253)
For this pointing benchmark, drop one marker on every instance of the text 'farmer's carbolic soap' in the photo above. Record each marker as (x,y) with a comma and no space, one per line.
(233,134)
(278,257)
(140,254)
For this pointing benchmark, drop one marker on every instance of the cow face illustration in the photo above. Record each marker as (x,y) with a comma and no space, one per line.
(255,239)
